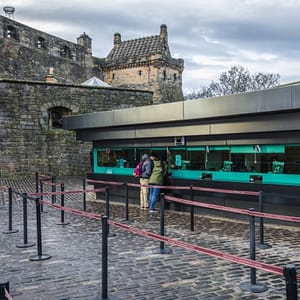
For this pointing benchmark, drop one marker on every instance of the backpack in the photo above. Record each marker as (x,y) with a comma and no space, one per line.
(137,172)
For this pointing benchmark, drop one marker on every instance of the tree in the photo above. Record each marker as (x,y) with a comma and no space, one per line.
(236,80)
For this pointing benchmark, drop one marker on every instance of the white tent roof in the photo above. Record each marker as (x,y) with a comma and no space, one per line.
(94,81)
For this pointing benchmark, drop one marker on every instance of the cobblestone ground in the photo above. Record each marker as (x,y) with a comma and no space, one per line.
(135,272)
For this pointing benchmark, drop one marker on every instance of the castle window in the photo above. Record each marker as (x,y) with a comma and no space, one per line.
(113,76)
(41,43)
(140,72)
(175,76)
(11,32)
(65,52)
(165,74)
(56,115)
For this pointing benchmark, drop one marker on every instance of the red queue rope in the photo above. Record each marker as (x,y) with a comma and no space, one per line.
(65,192)
(47,177)
(204,189)
(218,254)
(235,210)
(72,210)
(3,188)
(195,188)
(214,253)
(105,182)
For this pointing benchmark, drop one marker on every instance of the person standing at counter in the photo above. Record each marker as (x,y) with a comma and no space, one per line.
(156,179)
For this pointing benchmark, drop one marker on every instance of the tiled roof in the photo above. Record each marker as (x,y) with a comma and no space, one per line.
(138,47)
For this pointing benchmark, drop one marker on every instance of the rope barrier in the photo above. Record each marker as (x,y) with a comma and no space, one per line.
(105,182)
(234,210)
(66,192)
(72,210)
(204,189)
(47,177)
(3,188)
(214,253)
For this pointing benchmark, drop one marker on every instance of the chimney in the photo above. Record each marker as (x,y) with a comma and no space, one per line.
(117,39)
(164,32)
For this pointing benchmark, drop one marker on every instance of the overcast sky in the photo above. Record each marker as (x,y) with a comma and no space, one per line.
(210,35)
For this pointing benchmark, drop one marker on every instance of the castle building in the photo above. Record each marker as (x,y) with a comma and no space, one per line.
(145,63)
(41,81)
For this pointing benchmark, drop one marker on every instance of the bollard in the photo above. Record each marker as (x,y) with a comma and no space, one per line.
(40,255)
(289,272)
(253,286)
(126,202)
(261,244)
(36,182)
(109,234)
(192,213)
(53,189)
(84,194)
(62,204)
(10,229)
(104,256)
(162,249)
(42,191)
(4,285)
(25,244)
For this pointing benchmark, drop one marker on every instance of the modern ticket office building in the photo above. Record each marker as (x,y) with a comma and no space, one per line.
(245,141)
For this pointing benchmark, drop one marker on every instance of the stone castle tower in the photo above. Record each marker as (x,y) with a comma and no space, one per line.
(145,63)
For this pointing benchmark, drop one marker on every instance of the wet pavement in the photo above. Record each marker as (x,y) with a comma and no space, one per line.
(135,271)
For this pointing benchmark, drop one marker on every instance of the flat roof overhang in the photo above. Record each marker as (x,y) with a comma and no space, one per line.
(274,110)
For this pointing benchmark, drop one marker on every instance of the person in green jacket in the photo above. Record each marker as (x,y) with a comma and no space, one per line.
(156,179)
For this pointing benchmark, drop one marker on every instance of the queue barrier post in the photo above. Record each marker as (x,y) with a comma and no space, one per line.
(192,212)
(62,204)
(290,274)
(84,194)
(162,249)
(261,244)
(107,212)
(40,255)
(4,285)
(252,286)
(53,189)
(42,191)
(10,229)
(25,244)
(126,202)
(105,229)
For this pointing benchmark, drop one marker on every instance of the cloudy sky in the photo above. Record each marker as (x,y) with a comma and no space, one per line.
(211,36)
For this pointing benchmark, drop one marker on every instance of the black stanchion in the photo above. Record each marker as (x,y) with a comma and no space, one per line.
(42,191)
(253,285)
(290,274)
(36,182)
(40,255)
(53,189)
(126,202)
(105,229)
(84,194)
(4,285)
(62,203)
(10,229)
(192,213)
(107,212)
(262,244)
(25,244)
(162,249)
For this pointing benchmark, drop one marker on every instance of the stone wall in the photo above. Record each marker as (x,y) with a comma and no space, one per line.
(28,144)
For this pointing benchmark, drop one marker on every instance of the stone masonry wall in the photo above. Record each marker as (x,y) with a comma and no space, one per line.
(28,144)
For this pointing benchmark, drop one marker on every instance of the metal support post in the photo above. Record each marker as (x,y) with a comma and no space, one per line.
(84,194)
(104,256)
(261,244)
(40,255)
(107,212)
(253,286)
(25,244)
(192,209)
(10,229)
(290,274)
(62,204)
